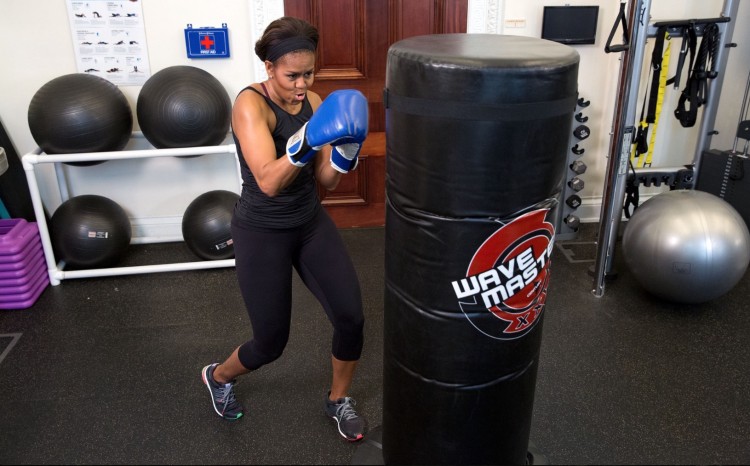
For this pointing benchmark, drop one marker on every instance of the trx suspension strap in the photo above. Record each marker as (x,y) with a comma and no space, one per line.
(655,98)
(649,117)
(694,93)
(640,146)
(688,44)
(658,87)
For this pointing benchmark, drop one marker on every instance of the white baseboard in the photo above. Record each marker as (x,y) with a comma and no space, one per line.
(156,229)
(590,210)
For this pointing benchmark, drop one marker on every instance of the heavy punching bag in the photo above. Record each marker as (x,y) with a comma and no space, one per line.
(477,131)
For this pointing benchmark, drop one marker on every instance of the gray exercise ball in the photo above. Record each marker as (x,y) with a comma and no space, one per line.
(686,246)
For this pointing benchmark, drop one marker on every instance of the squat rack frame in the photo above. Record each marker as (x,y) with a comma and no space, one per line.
(623,126)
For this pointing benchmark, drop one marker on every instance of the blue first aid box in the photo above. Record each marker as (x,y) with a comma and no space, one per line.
(207,42)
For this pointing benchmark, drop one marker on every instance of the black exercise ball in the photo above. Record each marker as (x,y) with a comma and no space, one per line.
(183,106)
(80,113)
(90,231)
(206,225)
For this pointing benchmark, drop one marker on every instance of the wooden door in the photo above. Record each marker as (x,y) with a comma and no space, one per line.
(354,39)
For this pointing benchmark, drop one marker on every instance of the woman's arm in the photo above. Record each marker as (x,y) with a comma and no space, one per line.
(250,123)
(324,172)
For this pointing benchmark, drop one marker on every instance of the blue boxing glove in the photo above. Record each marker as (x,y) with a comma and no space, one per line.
(345,153)
(341,119)
(344,157)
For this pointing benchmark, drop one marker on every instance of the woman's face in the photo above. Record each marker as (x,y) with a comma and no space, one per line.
(292,75)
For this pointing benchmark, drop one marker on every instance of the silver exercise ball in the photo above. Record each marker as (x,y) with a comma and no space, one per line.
(686,246)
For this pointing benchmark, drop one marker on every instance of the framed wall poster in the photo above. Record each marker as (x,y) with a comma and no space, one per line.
(109,40)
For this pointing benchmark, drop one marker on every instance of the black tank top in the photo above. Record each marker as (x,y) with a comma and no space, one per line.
(294,205)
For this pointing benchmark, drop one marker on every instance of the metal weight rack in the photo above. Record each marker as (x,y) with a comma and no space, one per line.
(567,222)
(55,269)
(636,32)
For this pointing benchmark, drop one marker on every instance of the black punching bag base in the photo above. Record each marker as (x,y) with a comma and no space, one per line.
(370,451)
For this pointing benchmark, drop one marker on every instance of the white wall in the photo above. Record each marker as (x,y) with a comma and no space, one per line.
(155,192)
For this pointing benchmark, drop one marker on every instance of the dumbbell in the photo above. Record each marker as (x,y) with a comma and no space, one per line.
(581,132)
(578,167)
(576,184)
(574,201)
(572,221)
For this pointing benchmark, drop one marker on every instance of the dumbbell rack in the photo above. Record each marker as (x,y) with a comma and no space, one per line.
(567,220)
(55,268)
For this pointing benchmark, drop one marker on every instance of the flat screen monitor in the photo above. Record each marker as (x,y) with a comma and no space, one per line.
(570,24)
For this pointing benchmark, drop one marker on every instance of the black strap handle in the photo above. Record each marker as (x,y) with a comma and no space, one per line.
(609,48)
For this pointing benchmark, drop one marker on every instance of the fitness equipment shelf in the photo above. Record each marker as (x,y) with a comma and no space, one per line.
(55,269)
(677,27)
(624,126)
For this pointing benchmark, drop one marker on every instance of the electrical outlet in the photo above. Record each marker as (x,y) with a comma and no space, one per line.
(516,23)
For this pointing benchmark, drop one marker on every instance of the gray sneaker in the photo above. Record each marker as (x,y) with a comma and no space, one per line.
(222,395)
(350,425)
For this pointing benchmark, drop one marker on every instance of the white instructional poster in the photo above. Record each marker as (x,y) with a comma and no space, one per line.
(109,39)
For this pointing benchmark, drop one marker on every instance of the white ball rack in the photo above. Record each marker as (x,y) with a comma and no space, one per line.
(55,268)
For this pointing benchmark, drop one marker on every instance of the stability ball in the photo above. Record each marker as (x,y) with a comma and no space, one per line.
(183,106)
(686,246)
(206,225)
(90,231)
(80,113)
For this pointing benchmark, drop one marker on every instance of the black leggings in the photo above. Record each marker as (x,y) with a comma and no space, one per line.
(264,260)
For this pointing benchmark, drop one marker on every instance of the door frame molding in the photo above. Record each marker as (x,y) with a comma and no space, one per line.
(262,12)
(485,16)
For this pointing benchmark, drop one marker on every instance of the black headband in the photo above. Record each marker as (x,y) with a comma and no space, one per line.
(291,44)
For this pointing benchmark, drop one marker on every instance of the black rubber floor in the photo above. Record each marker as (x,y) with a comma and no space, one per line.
(107,371)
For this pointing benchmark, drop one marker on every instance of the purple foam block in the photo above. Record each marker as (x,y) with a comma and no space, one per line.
(27,259)
(10,285)
(15,292)
(21,270)
(15,234)
(26,298)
